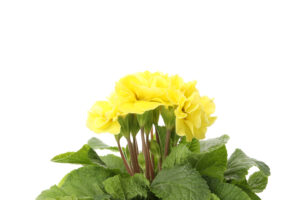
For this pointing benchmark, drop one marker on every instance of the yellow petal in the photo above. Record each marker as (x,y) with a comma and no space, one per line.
(146,93)
(200,133)
(99,106)
(189,88)
(139,107)
(179,114)
(211,120)
(208,105)
(175,97)
(195,118)
(113,128)
(176,82)
(183,130)
(192,103)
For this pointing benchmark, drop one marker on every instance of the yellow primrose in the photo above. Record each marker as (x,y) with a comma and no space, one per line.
(140,92)
(189,88)
(178,88)
(193,116)
(103,118)
(144,91)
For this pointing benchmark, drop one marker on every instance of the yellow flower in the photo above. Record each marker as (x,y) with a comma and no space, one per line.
(193,116)
(189,88)
(141,92)
(144,91)
(103,118)
(178,88)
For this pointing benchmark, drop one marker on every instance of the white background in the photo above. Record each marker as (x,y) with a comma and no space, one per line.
(58,57)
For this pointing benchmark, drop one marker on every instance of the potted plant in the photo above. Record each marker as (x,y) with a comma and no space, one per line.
(164,121)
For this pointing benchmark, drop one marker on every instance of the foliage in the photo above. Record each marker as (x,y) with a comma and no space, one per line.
(187,174)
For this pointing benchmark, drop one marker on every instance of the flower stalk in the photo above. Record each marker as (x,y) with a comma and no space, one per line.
(151,167)
(133,156)
(135,146)
(129,170)
(145,151)
(168,136)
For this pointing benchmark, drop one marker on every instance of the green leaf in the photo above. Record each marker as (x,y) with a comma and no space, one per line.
(180,182)
(210,163)
(124,187)
(177,156)
(215,143)
(226,191)
(258,182)
(85,181)
(193,146)
(239,164)
(114,162)
(55,193)
(252,195)
(95,143)
(72,198)
(103,197)
(214,197)
(85,156)
(246,188)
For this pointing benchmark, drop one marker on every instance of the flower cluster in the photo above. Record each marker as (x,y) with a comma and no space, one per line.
(146,91)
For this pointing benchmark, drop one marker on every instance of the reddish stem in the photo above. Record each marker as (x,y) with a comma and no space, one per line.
(145,153)
(124,159)
(136,148)
(135,145)
(151,169)
(134,161)
(167,144)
